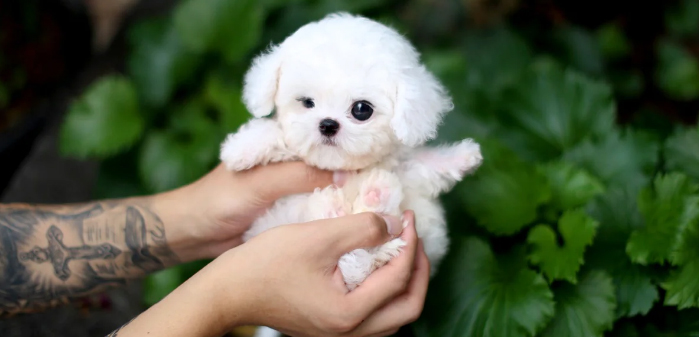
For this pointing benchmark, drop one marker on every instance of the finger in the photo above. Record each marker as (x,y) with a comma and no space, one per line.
(364,230)
(405,308)
(274,181)
(390,280)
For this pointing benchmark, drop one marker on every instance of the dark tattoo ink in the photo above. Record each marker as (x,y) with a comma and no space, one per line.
(59,255)
(135,233)
(49,254)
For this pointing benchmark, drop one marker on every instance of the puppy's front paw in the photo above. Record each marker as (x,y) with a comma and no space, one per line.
(388,251)
(380,192)
(357,265)
(237,155)
(468,154)
(257,142)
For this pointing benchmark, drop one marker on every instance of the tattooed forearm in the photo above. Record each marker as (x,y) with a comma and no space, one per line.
(50,254)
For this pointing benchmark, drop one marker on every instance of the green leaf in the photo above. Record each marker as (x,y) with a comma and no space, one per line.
(652,120)
(505,194)
(183,153)
(231,28)
(635,289)
(103,121)
(456,127)
(225,97)
(619,159)
(562,262)
(682,286)
(478,294)
(617,213)
(448,65)
(682,20)
(472,116)
(571,187)
(612,41)
(580,48)
(585,309)
(677,71)
(627,83)
(667,209)
(495,60)
(681,152)
(552,110)
(159,62)
(118,177)
(159,284)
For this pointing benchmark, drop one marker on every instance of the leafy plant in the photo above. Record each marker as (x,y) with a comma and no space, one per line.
(575,225)
(596,260)
(104,121)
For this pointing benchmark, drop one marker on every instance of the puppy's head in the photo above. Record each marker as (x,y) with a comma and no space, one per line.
(346,91)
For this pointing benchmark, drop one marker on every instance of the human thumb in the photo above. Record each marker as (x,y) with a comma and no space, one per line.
(277,180)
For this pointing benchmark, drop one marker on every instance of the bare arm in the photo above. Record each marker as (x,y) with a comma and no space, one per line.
(296,287)
(51,253)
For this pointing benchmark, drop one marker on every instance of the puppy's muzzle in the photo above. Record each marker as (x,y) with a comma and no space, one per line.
(328,127)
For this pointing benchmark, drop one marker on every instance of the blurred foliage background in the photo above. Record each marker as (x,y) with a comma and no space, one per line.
(583,220)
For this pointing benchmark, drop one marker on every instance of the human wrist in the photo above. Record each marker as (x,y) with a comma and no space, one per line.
(225,292)
(181,220)
(201,307)
(211,311)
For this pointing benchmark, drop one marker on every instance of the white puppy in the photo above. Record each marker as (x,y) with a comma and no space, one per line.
(349,93)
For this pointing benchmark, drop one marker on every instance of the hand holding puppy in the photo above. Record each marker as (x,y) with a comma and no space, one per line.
(209,216)
(297,288)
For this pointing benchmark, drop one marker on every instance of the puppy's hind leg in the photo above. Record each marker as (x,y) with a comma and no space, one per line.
(257,142)
(380,192)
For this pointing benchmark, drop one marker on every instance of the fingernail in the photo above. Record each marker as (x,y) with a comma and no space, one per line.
(393,225)
(339,178)
(404,220)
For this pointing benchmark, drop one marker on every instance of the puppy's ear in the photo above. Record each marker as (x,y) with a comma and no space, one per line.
(260,84)
(421,102)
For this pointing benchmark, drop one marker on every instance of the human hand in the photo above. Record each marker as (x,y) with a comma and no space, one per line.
(209,216)
(287,278)
(298,289)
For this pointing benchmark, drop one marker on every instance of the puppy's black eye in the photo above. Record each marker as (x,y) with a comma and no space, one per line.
(362,110)
(307,102)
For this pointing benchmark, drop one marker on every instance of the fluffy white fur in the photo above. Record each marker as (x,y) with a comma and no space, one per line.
(337,61)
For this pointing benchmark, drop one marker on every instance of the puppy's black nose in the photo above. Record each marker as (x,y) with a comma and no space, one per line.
(328,127)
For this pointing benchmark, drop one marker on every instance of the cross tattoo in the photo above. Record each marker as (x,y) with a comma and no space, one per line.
(60,255)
